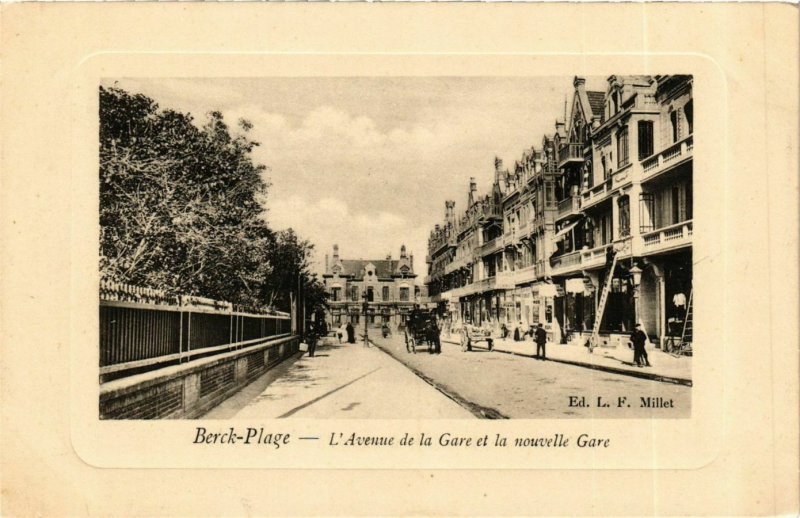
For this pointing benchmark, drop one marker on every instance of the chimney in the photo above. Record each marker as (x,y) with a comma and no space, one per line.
(402,251)
(579,83)
(335,253)
(411,261)
(326,263)
(560,127)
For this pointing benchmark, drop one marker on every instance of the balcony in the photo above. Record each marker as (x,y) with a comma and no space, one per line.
(570,153)
(597,193)
(565,263)
(667,238)
(667,158)
(594,257)
(491,247)
(458,263)
(568,207)
(527,274)
(500,282)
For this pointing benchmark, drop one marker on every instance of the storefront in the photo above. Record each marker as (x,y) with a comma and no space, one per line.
(580,304)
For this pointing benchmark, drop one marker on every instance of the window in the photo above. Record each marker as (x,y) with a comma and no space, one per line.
(353,293)
(336,294)
(645,139)
(385,293)
(673,121)
(604,166)
(622,148)
(646,212)
(689,200)
(615,100)
(676,204)
(688,112)
(624,216)
(370,293)
(404,294)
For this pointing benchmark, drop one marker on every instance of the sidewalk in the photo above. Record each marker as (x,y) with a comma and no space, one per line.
(619,360)
(345,381)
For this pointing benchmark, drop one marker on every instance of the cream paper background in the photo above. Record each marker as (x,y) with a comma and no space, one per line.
(738,452)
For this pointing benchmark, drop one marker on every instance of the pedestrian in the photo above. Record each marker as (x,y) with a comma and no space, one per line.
(541,341)
(638,338)
(311,339)
(340,332)
(504,330)
(351,333)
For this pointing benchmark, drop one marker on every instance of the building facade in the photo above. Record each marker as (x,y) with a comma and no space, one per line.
(614,179)
(387,285)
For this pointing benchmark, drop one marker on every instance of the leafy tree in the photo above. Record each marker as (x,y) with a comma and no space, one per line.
(182,207)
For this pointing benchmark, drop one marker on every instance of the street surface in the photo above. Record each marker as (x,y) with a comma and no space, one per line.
(340,381)
(522,387)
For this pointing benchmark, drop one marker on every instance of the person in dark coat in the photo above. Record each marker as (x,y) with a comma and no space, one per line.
(311,339)
(541,341)
(638,338)
(351,333)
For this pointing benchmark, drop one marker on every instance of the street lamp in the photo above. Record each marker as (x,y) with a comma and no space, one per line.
(636,277)
(365,306)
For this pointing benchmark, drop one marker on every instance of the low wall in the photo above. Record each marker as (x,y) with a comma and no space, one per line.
(192,389)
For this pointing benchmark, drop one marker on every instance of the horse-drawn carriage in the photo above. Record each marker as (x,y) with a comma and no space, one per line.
(423,327)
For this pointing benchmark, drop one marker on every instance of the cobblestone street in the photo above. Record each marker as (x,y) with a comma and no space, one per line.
(520,387)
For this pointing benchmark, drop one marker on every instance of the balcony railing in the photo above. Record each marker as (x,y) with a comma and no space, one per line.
(571,152)
(667,238)
(673,154)
(597,193)
(569,206)
(593,257)
(565,262)
(491,247)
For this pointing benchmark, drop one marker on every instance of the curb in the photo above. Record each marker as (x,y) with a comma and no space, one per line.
(615,370)
(477,410)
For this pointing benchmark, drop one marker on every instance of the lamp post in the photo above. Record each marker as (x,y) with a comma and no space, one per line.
(636,277)
(365,306)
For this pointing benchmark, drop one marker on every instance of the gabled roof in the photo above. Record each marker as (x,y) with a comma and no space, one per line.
(384,268)
(597,103)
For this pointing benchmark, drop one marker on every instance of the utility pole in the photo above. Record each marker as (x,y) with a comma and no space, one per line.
(365,296)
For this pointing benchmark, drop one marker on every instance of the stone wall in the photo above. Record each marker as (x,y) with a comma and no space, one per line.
(192,389)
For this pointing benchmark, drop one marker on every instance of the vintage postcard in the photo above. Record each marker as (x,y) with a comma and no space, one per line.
(446,257)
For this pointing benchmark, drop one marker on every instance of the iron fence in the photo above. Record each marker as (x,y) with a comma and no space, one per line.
(141,327)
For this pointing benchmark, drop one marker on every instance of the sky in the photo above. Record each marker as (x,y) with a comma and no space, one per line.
(368,162)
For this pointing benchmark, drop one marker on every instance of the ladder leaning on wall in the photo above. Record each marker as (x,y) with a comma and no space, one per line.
(686,336)
(601,306)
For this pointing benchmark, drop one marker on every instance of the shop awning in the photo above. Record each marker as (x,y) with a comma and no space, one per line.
(566,229)
(575,285)
(547,290)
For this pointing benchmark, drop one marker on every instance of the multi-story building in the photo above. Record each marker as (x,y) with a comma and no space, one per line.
(615,178)
(388,285)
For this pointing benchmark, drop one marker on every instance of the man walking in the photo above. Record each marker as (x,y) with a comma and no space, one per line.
(541,341)
(639,354)
(311,339)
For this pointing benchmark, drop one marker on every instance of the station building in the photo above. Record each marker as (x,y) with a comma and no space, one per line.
(388,286)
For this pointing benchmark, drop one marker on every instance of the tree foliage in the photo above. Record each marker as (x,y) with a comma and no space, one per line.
(182,206)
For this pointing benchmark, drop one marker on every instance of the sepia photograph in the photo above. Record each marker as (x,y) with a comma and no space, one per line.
(396,247)
(399,259)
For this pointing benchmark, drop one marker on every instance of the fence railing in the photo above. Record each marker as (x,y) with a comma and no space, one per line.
(141,327)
